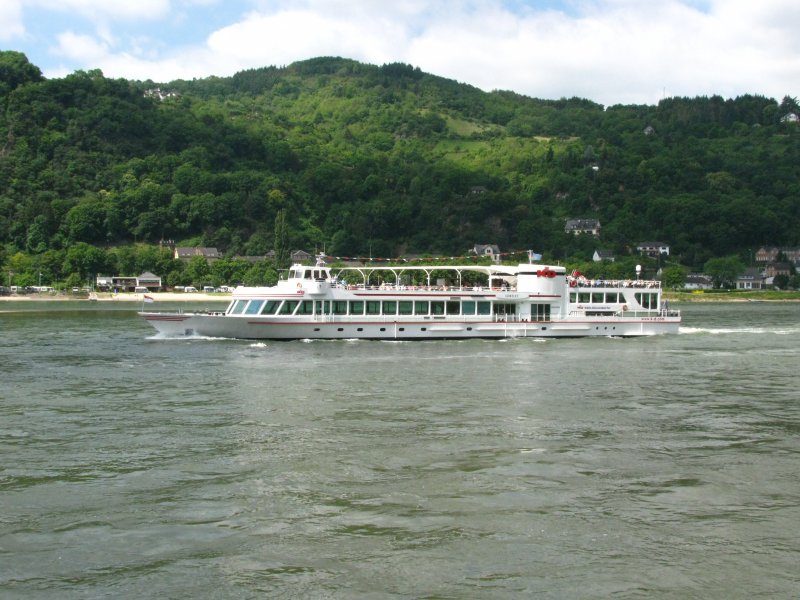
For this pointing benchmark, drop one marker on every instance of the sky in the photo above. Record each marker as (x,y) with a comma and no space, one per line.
(608,51)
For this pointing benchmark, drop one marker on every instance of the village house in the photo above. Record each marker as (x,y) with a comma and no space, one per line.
(186,254)
(579,226)
(603,255)
(121,283)
(751,279)
(698,281)
(488,250)
(778,268)
(654,249)
(295,256)
(769,254)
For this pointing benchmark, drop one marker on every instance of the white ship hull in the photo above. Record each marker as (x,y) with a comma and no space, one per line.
(210,325)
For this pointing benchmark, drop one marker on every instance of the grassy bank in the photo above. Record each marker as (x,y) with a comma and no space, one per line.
(733,296)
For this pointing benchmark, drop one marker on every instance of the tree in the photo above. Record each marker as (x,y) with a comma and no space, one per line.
(723,271)
(85,261)
(281,245)
(15,70)
(673,277)
(198,271)
(781,281)
(261,273)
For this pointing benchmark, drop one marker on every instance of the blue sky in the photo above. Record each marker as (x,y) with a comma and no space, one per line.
(610,51)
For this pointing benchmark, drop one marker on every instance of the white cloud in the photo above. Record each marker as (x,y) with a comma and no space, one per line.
(106,10)
(81,48)
(610,51)
(286,36)
(11,24)
(617,51)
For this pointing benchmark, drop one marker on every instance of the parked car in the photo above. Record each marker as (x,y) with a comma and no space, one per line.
(190,288)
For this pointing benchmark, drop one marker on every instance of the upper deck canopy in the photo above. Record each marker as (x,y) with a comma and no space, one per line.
(491,271)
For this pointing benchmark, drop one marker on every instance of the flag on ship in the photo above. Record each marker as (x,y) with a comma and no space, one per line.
(148,299)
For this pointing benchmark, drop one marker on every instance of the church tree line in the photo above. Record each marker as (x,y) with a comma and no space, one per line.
(362,160)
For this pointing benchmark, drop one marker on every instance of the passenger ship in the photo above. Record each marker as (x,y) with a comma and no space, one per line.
(431,302)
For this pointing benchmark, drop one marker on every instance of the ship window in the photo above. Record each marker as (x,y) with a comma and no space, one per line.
(406,307)
(288,307)
(307,274)
(540,312)
(573,297)
(238,307)
(390,307)
(254,307)
(356,307)
(453,307)
(437,307)
(421,307)
(306,307)
(504,309)
(646,300)
(597,297)
(484,308)
(271,307)
(373,307)
(340,307)
(584,297)
(468,307)
(294,274)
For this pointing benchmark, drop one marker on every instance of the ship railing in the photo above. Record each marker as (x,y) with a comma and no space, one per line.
(632,312)
(419,288)
(615,283)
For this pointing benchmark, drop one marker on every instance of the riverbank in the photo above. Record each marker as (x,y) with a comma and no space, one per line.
(733,296)
(122,297)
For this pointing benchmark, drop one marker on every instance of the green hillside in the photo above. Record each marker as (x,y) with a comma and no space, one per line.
(367,160)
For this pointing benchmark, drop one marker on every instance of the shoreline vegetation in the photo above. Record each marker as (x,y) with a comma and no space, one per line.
(120,297)
(670,296)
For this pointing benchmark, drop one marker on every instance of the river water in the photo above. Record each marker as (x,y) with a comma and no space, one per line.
(136,467)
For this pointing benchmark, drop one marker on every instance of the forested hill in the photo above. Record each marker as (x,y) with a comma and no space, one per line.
(368,160)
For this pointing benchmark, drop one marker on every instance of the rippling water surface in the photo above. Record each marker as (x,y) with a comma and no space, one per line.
(140,467)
